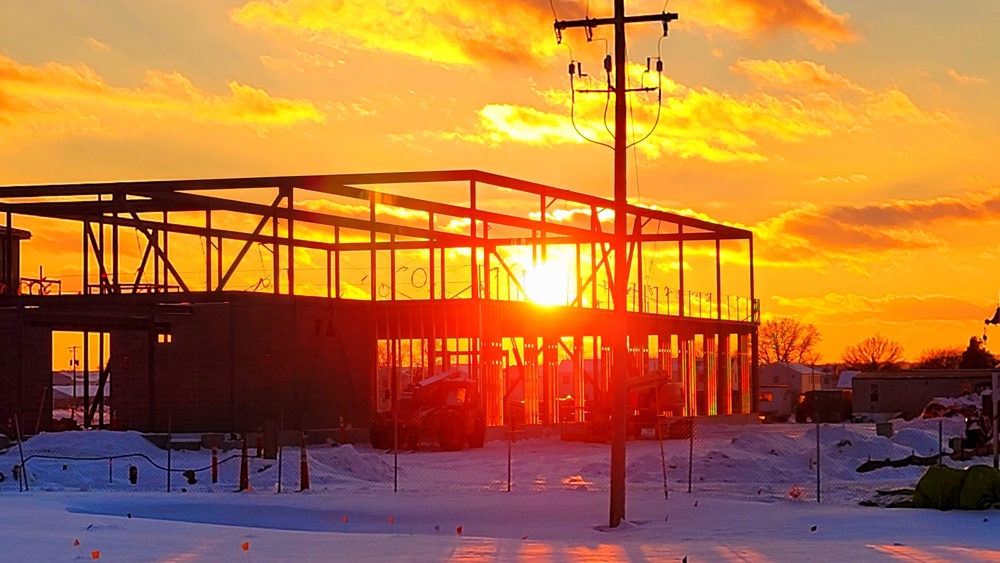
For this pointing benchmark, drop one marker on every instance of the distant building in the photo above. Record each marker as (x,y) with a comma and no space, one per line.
(883,395)
(797,377)
(829,375)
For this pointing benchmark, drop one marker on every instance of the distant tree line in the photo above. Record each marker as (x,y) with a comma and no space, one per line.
(784,339)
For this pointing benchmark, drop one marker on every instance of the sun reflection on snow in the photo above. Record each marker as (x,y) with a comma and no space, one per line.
(907,553)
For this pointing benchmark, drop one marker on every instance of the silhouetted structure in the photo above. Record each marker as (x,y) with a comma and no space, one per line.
(413,286)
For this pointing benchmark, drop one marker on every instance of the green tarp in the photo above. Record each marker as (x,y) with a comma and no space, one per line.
(945,488)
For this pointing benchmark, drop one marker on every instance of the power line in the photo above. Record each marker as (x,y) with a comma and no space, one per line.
(619,339)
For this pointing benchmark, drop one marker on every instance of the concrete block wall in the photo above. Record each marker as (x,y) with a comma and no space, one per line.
(25,375)
(229,365)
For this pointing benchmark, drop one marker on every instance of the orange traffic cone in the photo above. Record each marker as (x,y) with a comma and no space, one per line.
(304,477)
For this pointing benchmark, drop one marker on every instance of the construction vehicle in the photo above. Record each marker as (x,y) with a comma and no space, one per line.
(824,405)
(654,403)
(443,408)
(654,400)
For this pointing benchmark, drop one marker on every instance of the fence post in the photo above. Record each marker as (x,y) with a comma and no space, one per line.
(691,454)
(281,430)
(818,456)
(244,471)
(304,466)
(940,441)
(510,453)
(663,458)
(996,419)
(20,440)
(111,462)
(170,440)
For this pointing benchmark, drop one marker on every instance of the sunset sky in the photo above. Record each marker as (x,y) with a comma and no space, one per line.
(857,139)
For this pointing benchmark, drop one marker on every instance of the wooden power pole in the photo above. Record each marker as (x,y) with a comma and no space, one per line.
(619,329)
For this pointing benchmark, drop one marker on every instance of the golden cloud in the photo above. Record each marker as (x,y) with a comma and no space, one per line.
(705,123)
(445,32)
(300,62)
(57,100)
(803,76)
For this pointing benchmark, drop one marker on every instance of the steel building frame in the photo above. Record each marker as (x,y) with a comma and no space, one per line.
(482,324)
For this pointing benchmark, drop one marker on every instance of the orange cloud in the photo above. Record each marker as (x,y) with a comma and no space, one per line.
(841,180)
(445,32)
(57,100)
(851,308)
(964,78)
(905,213)
(752,18)
(812,236)
(97,45)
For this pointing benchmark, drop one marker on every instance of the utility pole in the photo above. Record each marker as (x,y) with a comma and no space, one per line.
(619,325)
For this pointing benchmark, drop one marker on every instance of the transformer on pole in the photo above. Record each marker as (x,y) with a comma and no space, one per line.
(619,343)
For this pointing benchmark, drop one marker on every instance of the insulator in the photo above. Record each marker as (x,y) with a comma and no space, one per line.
(607,63)
(659,65)
(572,69)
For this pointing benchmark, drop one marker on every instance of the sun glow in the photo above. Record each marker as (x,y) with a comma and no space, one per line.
(548,284)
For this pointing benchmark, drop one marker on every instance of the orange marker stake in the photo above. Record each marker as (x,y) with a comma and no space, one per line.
(246,546)
(458,530)
(392,520)
(215,465)
(344,519)
(304,467)
(76,543)
(96,554)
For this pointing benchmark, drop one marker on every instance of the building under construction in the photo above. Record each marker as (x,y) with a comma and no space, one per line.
(225,302)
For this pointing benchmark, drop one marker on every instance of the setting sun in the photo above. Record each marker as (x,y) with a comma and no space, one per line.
(548,284)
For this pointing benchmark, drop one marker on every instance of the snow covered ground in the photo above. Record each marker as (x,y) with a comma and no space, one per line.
(753,499)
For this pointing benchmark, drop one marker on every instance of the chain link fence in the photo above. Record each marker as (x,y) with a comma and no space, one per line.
(842,463)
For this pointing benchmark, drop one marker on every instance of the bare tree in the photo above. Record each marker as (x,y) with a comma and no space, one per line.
(785,339)
(874,353)
(940,358)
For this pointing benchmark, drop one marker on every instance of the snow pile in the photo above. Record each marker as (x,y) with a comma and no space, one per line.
(967,400)
(333,465)
(93,443)
(765,462)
